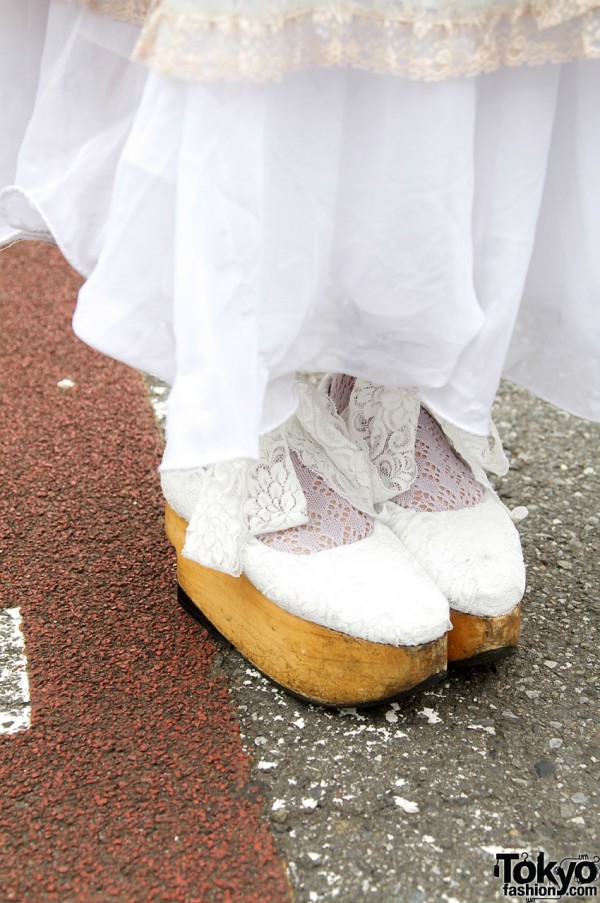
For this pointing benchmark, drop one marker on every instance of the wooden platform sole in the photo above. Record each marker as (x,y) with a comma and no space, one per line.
(315,663)
(476,640)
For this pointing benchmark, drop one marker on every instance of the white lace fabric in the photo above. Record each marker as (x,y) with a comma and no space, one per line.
(383,420)
(311,457)
(473,554)
(263,41)
(325,444)
(323,476)
(441,479)
(332,521)
(368,589)
(443,482)
(449,518)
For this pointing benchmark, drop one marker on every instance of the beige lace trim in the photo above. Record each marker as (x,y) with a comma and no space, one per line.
(211,41)
(133,11)
(275,13)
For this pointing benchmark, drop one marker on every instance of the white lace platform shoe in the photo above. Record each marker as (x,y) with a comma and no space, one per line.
(283,557)
(449,517)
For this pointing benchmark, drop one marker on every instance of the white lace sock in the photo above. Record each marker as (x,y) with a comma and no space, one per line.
(332,521)
(443,482)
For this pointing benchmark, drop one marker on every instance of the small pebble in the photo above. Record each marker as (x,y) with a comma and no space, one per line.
(406,805)
(519,513)
(431,715)
(544,768)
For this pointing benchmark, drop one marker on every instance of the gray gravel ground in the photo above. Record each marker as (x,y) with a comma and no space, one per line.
(411,802)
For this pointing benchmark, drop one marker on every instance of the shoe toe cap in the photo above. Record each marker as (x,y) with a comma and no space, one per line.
(484,586)
(473,555)
(371,589)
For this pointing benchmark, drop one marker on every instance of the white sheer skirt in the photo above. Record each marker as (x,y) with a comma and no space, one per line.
(435,235)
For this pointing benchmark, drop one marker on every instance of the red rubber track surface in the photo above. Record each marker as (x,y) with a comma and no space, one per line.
(131,783)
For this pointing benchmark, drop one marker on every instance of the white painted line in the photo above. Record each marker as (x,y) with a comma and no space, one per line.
(15,704)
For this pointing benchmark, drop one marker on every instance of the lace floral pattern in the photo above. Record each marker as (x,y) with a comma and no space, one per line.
(322,477)
(385,420)
(216,531)
(274,497)
(441,39)
(483,454)
(332,521)
(444,468)
(323,443)
(340,388)
(444,482)
(372,589)
(233,500)
(133,11)
(228,502)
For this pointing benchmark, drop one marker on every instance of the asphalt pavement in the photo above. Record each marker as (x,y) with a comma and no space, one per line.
(412,802)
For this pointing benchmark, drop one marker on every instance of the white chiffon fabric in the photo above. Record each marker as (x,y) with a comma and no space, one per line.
(434,235)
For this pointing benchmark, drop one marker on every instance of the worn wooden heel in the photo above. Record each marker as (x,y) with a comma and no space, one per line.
(476,640)
(312,662)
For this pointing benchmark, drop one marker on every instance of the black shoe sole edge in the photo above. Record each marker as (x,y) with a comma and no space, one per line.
(483,658)
(191,609)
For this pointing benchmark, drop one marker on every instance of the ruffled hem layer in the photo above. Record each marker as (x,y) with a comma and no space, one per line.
(264,42)
(421,41)
(428,235)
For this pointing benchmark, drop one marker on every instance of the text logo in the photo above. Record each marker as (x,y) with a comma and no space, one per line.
(551,879)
